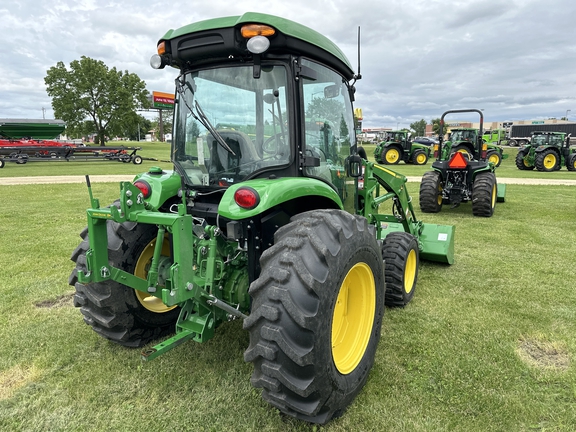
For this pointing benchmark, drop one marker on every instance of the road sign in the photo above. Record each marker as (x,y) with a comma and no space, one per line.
(162,100)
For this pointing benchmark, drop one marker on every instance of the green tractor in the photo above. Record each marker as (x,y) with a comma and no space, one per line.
(398,146)
(547,151)
(461,173)
(268,217)
(465,140)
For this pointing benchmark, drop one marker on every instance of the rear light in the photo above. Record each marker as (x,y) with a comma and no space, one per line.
(436,148)
(247,198)
(458,161)
(484,150)
(144,187)
(161,48)
(251,30)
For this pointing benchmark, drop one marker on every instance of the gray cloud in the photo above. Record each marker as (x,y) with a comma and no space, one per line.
(514,59)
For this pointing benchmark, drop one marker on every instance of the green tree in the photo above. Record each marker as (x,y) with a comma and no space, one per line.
(167,120)
(419,127)
(436,126)
(91,93)
(325,109)
(138,131)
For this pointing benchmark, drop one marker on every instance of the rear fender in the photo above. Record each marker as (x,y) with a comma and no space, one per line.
(163,184)
(274,192)
(540,149)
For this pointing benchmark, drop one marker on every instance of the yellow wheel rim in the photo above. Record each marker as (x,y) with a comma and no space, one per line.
(439,198)
(549,161)
(494,158)
(353,318)
(152,303)
(466,153)
(421,158)
(410,271)
(392,155)
(494,195)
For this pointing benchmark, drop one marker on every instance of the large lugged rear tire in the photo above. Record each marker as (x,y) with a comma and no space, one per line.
(402,257)
(431,192)
(391,156)
(115,311)
(571,162)
(316,314)
(547,161)
(484,194)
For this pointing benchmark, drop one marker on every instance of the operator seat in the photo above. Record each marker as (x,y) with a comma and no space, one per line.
(241,145)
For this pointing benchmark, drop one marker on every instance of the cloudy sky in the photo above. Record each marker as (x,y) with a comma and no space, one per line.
(514,59)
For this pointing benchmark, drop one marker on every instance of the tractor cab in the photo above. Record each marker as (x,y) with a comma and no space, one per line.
(261,104)
(464,140)
(473,142)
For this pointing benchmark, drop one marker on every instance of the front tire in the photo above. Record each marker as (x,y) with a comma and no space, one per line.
(494,157)
(521,163)
(431,192)
(402,257)
(316,314)
(484,194)
(118,313)
(419,157)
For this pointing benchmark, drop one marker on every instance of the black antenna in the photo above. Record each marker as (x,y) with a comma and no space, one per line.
(358,75)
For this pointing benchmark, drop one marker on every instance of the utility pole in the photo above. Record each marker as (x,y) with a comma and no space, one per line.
(43,111)
(161,124)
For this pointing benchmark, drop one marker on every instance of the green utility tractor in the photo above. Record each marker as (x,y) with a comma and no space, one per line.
(466,139)
(267,216)
(547,151)
(461,174)
(398,146)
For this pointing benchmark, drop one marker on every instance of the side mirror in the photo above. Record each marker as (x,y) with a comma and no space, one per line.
(331,91)
(354,166)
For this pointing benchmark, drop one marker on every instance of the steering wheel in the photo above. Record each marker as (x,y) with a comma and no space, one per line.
(271,145)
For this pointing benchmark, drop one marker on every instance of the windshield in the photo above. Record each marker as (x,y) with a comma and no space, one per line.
(539,139)
(463,135)
(228,125)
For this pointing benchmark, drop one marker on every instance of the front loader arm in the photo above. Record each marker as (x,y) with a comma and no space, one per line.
(380,185)
(435,242)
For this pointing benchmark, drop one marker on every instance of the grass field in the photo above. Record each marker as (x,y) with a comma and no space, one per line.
(487,344)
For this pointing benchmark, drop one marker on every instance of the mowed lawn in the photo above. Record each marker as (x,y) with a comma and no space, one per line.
(487,344)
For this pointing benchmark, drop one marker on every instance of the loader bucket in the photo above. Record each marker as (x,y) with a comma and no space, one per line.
(501,192)
(437,243)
